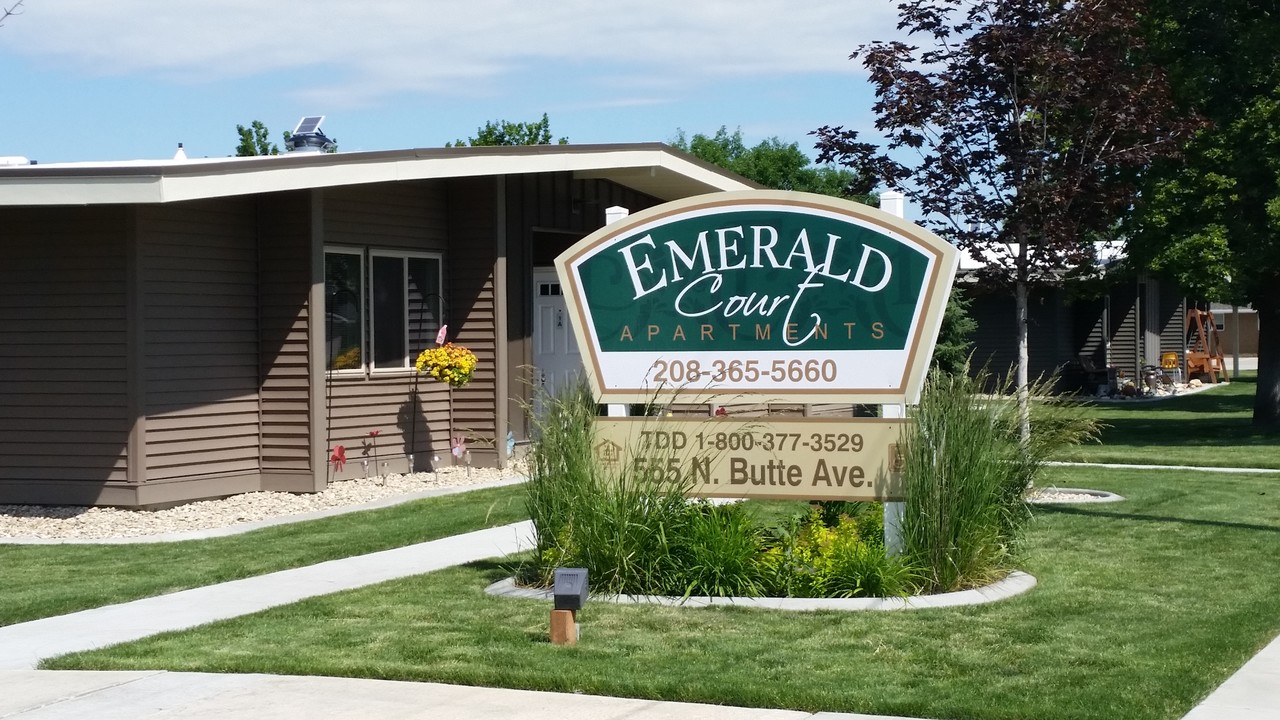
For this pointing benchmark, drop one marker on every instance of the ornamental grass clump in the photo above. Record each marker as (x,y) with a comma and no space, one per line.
(613,524)
(967,474)
(634,529)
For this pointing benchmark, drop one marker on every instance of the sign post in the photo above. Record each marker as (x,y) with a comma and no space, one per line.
(894,203)
(760,297)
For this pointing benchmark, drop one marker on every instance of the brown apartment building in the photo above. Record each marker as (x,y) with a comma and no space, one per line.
(175,330)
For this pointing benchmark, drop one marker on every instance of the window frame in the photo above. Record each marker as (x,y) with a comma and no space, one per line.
(404,256)
(362,294)
(368,366)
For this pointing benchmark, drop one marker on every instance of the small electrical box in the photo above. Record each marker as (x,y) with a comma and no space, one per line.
(570,588)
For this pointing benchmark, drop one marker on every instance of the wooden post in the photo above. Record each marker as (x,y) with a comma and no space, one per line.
(564,627)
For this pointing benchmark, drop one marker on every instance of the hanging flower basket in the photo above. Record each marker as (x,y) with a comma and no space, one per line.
(448,363)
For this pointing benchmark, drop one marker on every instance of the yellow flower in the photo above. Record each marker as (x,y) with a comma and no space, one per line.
(453,364)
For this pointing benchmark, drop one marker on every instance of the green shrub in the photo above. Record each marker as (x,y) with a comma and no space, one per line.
(811,557)
(967,473)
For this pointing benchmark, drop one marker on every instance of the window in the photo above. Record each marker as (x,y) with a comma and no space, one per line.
(344,309)
(387,325)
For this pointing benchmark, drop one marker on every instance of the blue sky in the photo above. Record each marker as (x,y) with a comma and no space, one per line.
(130,79)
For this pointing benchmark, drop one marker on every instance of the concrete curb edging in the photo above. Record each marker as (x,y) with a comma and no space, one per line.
(1016,583)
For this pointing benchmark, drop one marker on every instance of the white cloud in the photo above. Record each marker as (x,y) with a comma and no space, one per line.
(361,52)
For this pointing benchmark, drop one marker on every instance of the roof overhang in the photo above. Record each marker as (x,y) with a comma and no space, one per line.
(651,168)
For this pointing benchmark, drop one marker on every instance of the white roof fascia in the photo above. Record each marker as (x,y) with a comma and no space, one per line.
(223,179)
(88,190)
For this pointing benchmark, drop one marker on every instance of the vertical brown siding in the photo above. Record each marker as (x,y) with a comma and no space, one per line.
(399,216)
(545,214)
(1173,314)
(284,229)
(1124,329)
(200,282)
(63,374)
(1051,341)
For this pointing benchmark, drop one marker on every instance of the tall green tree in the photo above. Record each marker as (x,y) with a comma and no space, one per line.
(1212,218)
(505,132)
(776,164)
(254,140)
(1019,131)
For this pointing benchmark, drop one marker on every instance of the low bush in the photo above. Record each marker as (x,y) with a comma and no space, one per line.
(636,533)
(966,474)
(826,555)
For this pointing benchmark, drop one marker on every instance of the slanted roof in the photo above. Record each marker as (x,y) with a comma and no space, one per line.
(651,168)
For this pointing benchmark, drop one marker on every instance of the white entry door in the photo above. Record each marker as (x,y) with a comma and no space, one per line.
(556,361)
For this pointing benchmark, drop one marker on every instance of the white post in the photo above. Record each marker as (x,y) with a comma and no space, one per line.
(893,511)
(613,215)
(894,203)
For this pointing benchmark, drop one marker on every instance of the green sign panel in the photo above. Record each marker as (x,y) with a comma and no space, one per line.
(765,294)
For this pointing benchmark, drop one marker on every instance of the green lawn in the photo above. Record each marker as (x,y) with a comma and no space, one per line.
(1143,607)
(45,580)
(1209,428)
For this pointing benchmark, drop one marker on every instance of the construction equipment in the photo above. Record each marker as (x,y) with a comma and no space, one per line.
(1204,347)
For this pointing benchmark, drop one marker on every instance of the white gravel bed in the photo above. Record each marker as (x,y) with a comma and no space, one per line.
(104,523)
(1052,495)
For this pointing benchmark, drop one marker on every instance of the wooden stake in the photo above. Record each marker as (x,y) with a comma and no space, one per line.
(564,627)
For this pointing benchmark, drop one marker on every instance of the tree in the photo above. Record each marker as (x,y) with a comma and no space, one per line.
(1212,219)
(777,165)
(504,132)
(8,12)
(1029,120)
(253,140)
(782,166)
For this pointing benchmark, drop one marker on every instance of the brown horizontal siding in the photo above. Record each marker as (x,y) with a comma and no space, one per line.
(61,309)
(284,226)
(473,242)
(357,406)
(199,279)
(63,399)
(75,468)
(71,412)
(405,216)
(400,216)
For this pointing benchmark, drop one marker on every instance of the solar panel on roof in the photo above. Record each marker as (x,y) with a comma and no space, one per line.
(308,124)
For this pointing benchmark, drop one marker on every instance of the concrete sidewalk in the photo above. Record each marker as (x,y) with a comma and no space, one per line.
(48,695)
(24,645)
(1253,693)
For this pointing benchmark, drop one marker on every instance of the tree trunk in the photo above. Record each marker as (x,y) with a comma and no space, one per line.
(1020,375)
(1266,403)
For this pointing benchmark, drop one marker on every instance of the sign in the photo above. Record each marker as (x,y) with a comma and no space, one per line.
(765,458)
(759,295)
